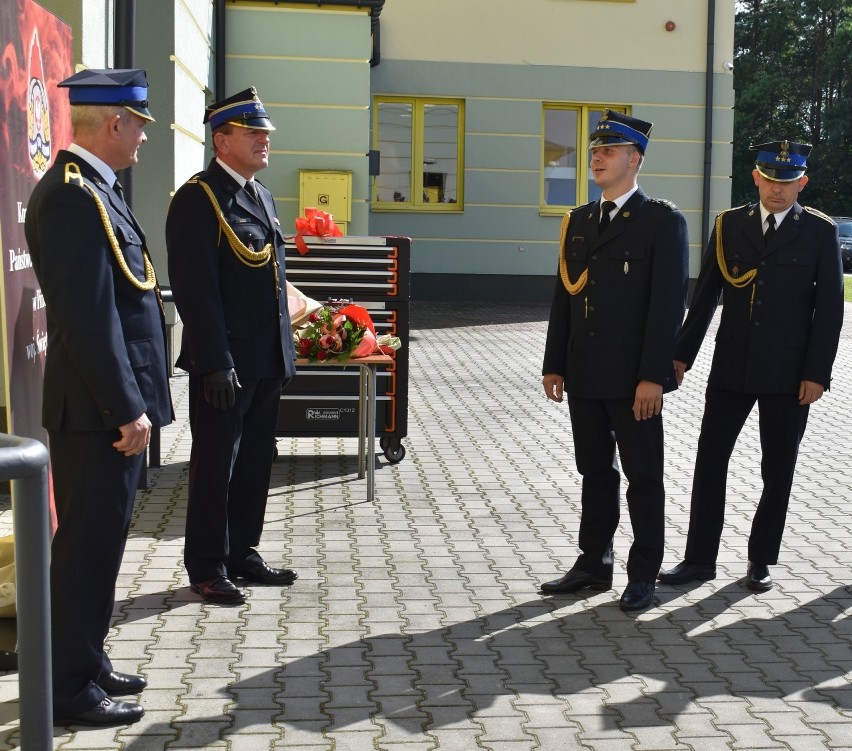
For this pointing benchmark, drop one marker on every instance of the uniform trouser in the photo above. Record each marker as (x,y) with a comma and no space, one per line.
(94,488)
(229,469)
(782,425)
(599,426)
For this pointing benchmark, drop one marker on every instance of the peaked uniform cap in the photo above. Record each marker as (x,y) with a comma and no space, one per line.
(616,128)
(116,87)
(244,110)
(782,161)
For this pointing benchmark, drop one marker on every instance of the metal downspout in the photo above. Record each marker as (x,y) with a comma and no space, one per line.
(124,56)
(377,42)
(219,45)
(708,121)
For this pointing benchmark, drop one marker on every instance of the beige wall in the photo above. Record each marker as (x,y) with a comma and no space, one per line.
(593,33)
(93,24)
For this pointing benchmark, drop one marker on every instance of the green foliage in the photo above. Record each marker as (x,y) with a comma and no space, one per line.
(793,80)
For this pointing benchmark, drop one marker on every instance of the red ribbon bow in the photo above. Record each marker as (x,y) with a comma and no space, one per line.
(361,316)
(314,223)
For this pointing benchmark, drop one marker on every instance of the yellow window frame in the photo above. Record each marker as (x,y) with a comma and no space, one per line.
(416,200)
(582,178)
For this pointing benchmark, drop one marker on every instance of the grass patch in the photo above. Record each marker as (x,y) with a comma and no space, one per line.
(847,288)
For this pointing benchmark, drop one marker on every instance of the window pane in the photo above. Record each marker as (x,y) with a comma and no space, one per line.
(440,153)
(594,190)
(560,157)
(394,130)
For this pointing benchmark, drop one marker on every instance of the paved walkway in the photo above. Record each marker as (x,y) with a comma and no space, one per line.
(416,623)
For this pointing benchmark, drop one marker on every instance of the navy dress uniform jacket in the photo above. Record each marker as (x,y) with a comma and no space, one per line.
(784,326)
(105,366)
(236,317)
(106,353)
(618,330)
(621,328)
(232,317)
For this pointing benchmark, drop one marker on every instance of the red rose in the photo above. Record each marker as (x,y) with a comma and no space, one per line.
(321,354)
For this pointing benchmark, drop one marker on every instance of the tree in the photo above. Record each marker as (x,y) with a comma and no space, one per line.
(793,79)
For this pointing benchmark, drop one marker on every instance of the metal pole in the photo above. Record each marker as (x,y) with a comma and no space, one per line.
(24,462)
(708,122)
(371,431)
(363,417)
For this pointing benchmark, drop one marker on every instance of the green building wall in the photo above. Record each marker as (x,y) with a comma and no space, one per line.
(312,71)
(502,246)
(311,66)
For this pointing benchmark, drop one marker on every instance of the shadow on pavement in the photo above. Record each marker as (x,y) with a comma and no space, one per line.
(595,656)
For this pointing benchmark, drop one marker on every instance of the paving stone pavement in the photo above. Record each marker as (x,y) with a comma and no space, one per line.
(416,623)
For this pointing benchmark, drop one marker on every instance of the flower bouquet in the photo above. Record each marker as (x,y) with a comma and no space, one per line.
(340,332)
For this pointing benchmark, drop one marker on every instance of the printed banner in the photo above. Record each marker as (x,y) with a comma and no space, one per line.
(34,125)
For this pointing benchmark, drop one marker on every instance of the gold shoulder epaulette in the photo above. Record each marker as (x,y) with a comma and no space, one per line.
(665,202)
(73,174)
(817,212)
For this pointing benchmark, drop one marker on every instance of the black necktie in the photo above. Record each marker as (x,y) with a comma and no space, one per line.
(606,208)
(770,229)
(119,191)
(252,191)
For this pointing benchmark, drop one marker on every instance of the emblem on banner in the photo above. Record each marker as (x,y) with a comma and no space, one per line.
(38,112)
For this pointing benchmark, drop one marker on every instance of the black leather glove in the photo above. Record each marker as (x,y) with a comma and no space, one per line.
(220,388)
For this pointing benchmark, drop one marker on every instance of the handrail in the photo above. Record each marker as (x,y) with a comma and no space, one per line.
(23,461)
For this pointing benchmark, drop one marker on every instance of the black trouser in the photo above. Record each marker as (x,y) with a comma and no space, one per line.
(782,425)
(94,488)
(229,469)
(599,426)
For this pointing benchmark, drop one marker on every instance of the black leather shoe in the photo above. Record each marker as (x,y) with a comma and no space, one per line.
(758,578)
(121,684)
(574,581)
(687,572)
(260,572)
(219,591)
(108,712)
(638,595)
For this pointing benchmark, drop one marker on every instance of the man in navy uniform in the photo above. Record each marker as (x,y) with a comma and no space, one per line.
(776,266)
(617,308)
(226,268)
(105,379)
